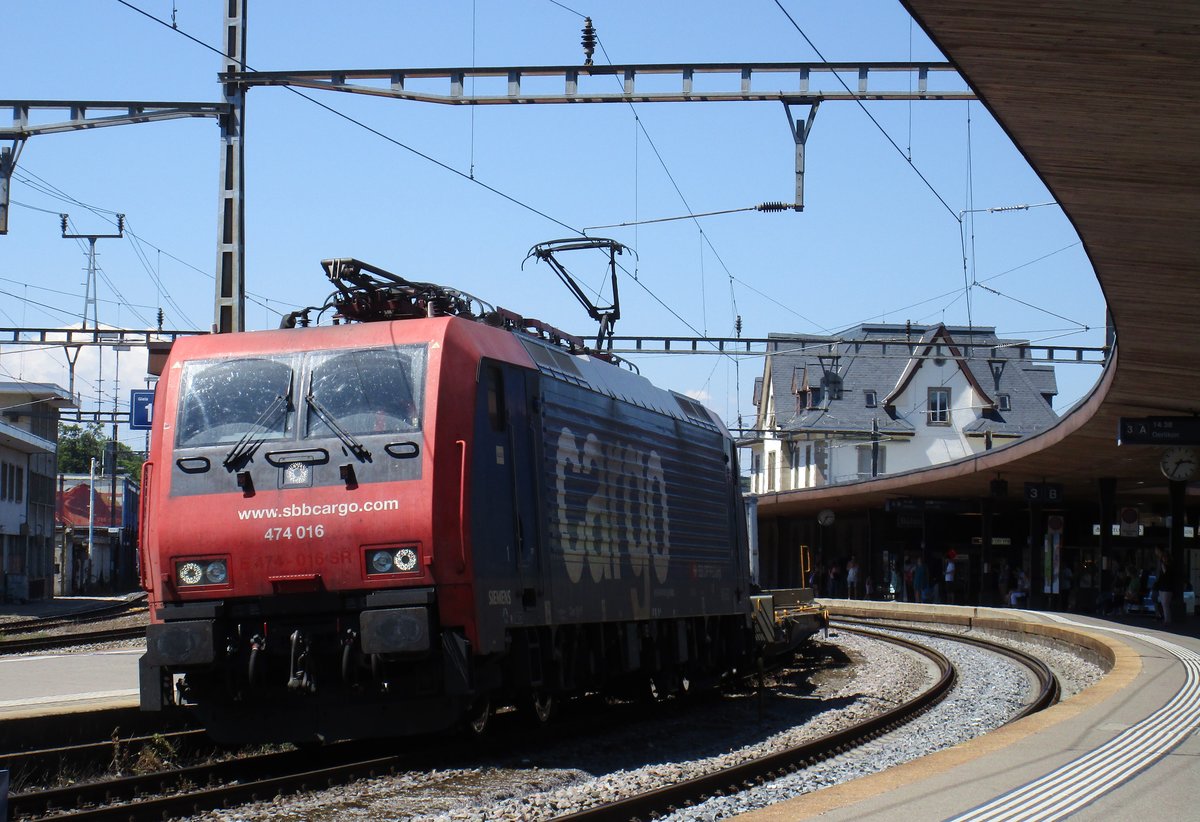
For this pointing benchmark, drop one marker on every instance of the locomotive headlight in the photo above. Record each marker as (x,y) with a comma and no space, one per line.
(392,560)
(190,573)
(217,572)
(381,562)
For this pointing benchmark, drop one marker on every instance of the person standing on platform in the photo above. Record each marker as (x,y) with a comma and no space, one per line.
(949,578)
(1020,591)
(852,578)
(921,581)
(1165,583)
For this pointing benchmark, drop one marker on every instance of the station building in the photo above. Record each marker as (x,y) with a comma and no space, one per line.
(29,415)
(879,399)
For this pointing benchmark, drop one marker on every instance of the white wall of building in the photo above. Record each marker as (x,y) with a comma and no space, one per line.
(928,444)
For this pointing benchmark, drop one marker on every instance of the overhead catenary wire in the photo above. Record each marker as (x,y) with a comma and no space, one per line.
(761,207)
(394,141)
(429,158)
(865,111)
(43,186)
(640,127)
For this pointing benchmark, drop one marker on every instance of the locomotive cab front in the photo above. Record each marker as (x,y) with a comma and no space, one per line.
(289,534)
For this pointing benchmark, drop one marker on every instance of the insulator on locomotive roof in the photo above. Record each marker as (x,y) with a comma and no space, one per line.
(588,40)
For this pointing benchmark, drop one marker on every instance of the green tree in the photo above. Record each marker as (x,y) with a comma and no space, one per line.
(78,445)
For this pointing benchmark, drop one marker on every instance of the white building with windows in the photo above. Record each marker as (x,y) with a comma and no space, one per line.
(28,465)
(885,399)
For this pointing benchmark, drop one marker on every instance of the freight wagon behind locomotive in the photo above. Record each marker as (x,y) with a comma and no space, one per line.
(396,524)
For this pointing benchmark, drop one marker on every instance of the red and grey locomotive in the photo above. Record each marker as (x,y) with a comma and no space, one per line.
(392,525)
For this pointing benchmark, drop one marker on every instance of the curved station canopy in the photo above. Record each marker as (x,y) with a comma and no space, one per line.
(1101,98)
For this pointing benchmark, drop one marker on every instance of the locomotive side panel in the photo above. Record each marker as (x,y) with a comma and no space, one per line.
(506,541)
(639,507)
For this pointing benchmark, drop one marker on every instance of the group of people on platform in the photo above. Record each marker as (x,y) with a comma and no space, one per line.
(913,582)
(1125,590)
(1128,589)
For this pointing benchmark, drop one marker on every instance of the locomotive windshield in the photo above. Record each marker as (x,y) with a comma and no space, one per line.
(367,391)
(224,400)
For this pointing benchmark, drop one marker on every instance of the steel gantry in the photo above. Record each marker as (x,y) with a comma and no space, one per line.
(792,84)
(887,349)
(82,115)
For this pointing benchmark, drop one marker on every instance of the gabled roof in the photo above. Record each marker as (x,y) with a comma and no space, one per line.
(994,367)
(928,341)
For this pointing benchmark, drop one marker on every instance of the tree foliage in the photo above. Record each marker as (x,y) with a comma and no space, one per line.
(78,445)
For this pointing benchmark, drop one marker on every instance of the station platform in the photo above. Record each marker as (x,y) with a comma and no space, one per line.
(1125,748)
(56,683)
(66,682)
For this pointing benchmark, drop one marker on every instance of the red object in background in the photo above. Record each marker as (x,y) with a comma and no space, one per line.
(71,507)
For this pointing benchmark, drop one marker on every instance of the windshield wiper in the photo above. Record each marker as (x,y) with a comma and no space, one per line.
(356,448)
(244,449)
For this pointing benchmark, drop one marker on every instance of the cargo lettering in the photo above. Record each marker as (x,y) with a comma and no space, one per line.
(627,509)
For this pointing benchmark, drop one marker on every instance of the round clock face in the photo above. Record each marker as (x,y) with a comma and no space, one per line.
(825,517)
(1178,463)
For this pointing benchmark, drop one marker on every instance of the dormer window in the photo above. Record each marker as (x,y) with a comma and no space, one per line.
(1004,402)
(939,406)
(833,386)
(871,399)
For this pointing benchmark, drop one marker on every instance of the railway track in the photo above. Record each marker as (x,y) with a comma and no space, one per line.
(43,643)
(1047,685)
(190,790)
(746,775)
(32,625)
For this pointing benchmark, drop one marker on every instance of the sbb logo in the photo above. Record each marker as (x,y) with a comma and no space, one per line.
(626,512)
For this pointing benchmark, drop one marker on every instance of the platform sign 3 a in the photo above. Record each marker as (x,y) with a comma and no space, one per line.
(1159,431)
(141,409)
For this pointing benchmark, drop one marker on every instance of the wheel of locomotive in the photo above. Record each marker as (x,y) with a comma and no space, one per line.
(479,716)
(539,708)
(256,667)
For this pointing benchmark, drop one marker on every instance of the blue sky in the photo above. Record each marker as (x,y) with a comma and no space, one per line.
(874,242)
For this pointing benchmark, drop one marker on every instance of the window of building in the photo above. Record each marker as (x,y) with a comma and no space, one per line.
(1005,402)
(771,471)
(756,471)
(864,461)
(20,485)
(939,406)
(821,462)
(3,480)
(871,399)
(833,387)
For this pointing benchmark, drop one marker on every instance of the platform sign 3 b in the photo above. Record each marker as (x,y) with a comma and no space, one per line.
(141,409)
(1043,493)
